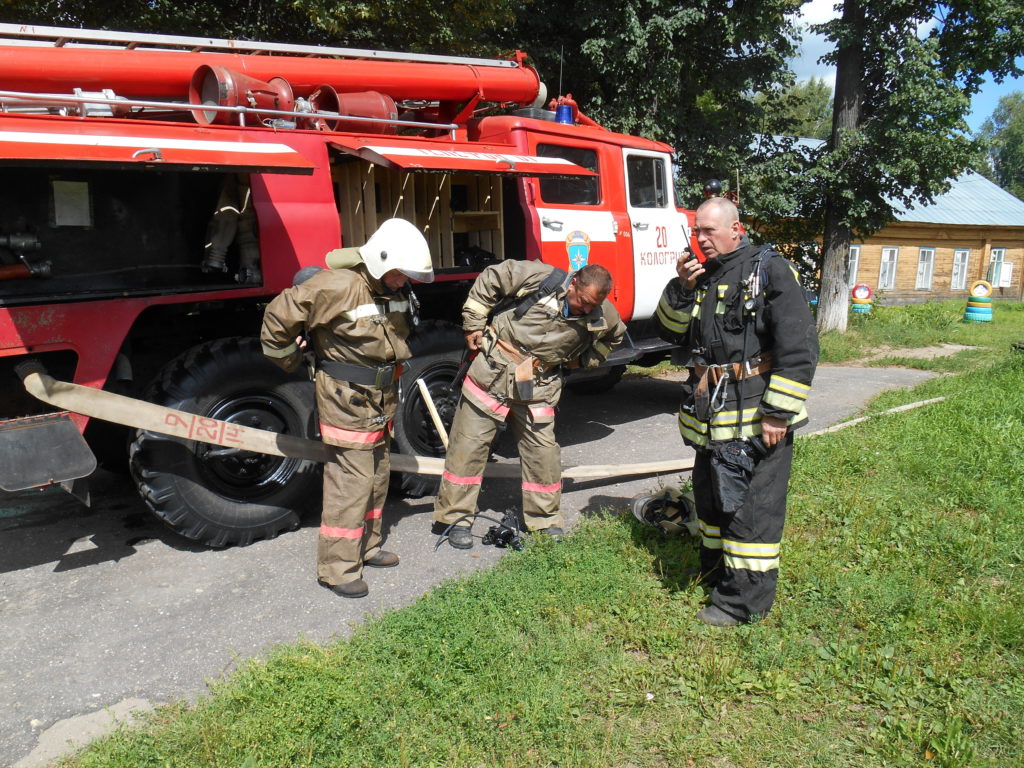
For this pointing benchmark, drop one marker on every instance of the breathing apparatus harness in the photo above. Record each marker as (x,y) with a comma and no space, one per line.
(741,312)
(732,461)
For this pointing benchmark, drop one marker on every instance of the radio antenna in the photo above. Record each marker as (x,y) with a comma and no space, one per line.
(561,56)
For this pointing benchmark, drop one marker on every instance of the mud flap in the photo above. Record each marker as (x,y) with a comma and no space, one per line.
(42,450)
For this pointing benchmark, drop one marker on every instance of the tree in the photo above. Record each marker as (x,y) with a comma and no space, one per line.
(435,26)
(683,73)
(278,20)
(905,72)
(802,110)
(1003,134)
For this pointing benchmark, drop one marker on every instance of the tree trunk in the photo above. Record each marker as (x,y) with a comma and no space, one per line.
(833,298)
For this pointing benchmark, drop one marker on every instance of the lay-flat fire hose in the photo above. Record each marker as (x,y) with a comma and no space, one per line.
(130,412)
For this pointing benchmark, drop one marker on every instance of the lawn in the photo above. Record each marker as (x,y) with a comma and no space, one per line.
(897,638)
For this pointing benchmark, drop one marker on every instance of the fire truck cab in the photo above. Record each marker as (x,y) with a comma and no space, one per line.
(161,190)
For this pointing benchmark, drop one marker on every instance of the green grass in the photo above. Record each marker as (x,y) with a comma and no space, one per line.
(923,325)
(897,638)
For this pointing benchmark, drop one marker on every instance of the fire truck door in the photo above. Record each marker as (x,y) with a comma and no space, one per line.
(660,233)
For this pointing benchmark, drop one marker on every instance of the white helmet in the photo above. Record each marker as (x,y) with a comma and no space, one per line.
(397,244)
(673,511)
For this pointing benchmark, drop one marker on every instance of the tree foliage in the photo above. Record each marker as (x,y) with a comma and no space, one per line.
(906,70)
(802,110)
(279,20)
(1003,134)
(684,73)
(435,26)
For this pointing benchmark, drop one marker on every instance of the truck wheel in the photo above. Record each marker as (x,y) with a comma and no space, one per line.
(599,384)
(222,496)
(437,351)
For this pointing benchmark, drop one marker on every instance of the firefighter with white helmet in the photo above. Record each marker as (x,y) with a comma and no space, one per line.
(357,316)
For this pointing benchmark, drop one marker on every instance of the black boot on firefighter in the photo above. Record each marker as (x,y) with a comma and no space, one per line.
(460,537)
(716,617)
(382,559)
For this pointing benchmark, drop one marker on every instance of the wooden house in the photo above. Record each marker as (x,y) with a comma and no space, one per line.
(973,232)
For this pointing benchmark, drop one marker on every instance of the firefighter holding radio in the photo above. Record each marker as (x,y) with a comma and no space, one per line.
(742,316)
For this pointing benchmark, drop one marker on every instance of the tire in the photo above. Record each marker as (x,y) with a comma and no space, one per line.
(598,385)
(217,496)
(436,354)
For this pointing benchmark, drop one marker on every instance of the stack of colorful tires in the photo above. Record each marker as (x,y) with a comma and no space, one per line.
(861,299)
(979,303)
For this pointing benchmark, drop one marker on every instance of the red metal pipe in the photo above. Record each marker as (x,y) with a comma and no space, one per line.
(149,74)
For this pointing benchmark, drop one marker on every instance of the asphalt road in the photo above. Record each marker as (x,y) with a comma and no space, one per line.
(103,610)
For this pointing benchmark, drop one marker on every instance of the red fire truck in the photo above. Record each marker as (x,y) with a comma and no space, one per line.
(159,190)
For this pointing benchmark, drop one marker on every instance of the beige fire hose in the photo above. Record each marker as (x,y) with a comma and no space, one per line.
(130,412)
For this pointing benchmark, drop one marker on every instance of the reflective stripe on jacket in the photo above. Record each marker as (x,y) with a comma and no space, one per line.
(349,317)
(544,331)
(710,323)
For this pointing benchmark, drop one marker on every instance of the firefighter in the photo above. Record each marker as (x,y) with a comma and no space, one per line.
(742,317)
(526,320)
(357,316)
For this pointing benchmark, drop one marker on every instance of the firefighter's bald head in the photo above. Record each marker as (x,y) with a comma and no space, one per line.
(717,227)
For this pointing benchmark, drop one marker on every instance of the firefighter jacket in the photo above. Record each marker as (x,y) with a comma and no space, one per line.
(748,308)
(350,318)
(544,331)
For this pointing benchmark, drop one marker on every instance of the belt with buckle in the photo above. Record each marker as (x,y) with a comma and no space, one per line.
(755,366)
(376,376)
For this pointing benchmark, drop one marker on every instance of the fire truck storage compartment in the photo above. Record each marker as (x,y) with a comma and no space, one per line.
(16,401)
(463,215)
(108,232)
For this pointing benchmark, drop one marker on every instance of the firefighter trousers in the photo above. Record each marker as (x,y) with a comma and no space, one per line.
(739,552)
(355,487)
(473,431)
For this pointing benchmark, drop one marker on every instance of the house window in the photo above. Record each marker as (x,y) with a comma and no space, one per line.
(852,264)
(925,267)
(961,257)
(996,266)
(887,273)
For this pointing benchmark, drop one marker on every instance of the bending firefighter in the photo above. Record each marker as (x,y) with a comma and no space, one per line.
(744,320)
(526,319)
(357,316)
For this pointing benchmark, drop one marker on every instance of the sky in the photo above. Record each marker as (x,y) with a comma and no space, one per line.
(813,47)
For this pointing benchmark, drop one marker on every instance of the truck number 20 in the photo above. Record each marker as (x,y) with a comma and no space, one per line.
(662,237)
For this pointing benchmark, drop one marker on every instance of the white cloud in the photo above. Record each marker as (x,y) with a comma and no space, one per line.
(812,46)
(818,11)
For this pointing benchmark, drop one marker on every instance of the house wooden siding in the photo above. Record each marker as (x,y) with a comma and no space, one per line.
(910,237)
